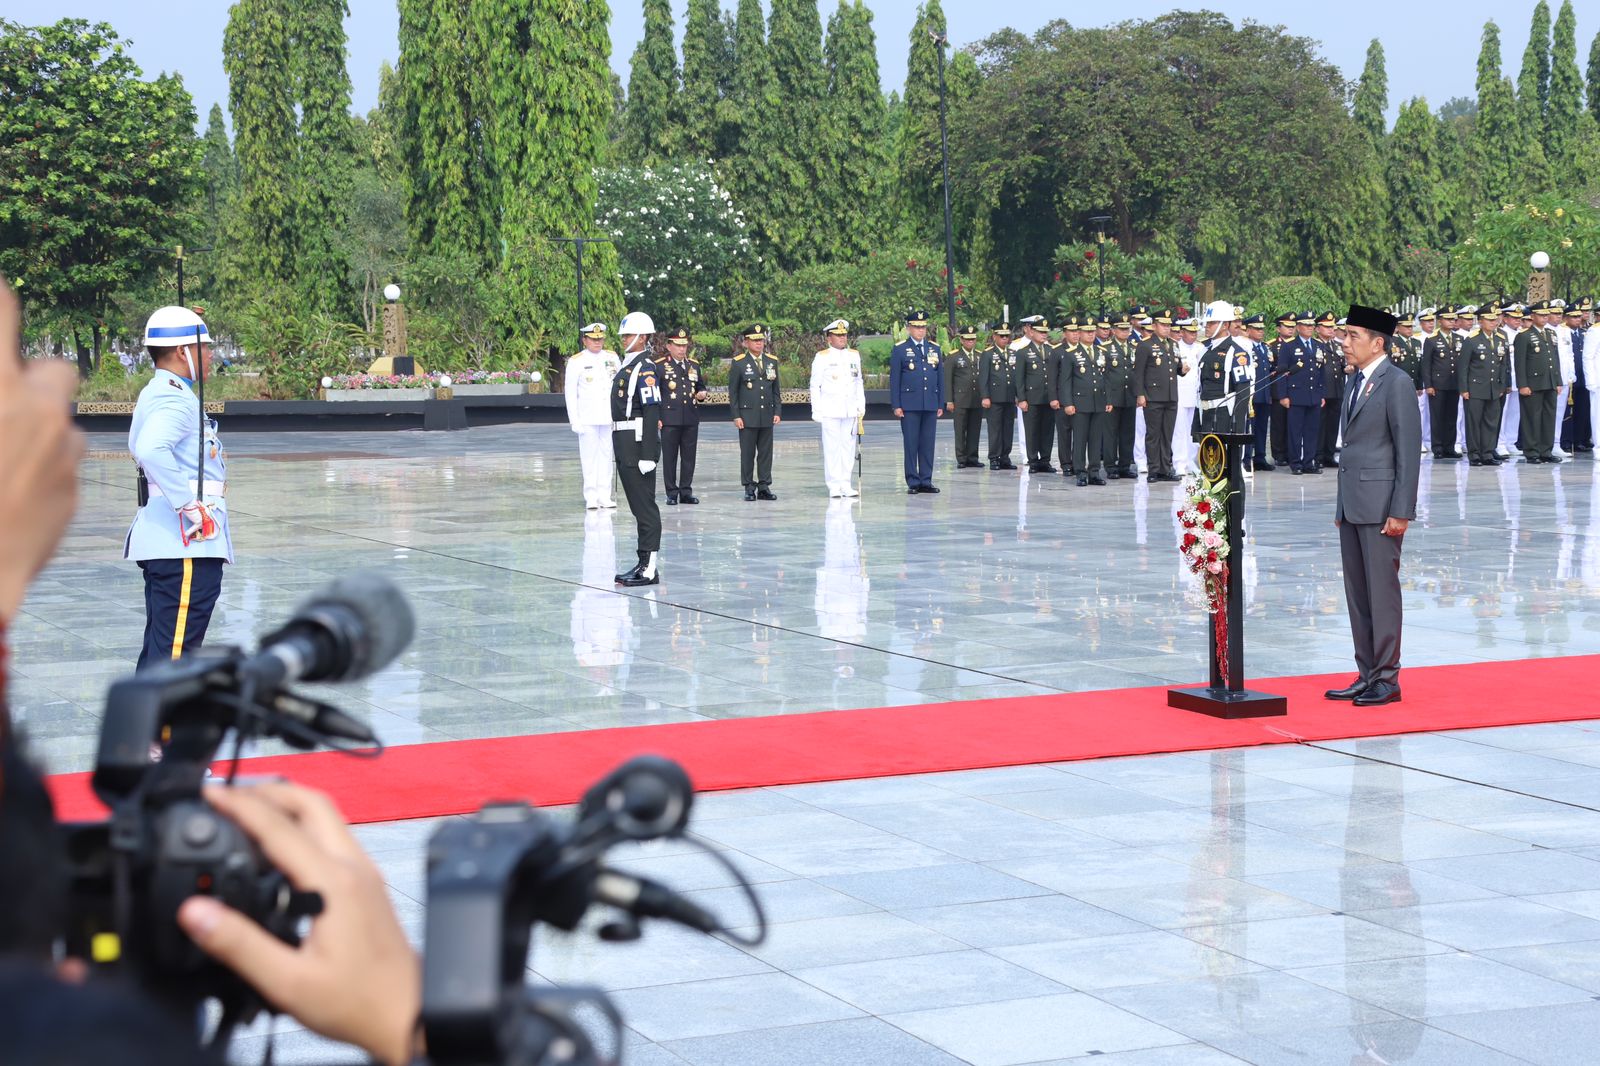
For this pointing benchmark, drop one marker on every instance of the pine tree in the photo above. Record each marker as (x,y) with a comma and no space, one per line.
(1594,77)
(384,121)
(1566,101)
(326,154)
(1416,177)
(788,131)
(1372,93)
(917,158)
(449,182)
(1533,81)
(745,175)
(259,249)
(652,111)
(704,48)
(222,170)
(857,159)
(1455,193)
(1496,138)
(547,98)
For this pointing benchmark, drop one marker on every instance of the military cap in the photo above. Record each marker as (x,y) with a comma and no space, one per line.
(837,328)
(1327,318)
(594,331)
(1428,314)
(1340,324)
(967,333)
(755,331)
(1574,309)
(1121,322)
(1238,311)
(1001,329)
(1586,304)
(1305,318)
(1470,313)
(1447,311)
(1161,318)
(1285,319)
(678,336)
(916,318)
(1255,321)
(1138,311)
(1491,309)
(1089,322)
(1070,322)
(1513,311)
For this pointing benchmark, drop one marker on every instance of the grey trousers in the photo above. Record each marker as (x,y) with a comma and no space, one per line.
(1372,591)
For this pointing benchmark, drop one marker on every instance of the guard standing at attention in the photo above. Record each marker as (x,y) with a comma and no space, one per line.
(1441,376)
(680,417)
(180,536)
(585,383)
(1485,382)
(1033,393)
(636,440)
(916,388)
(756,399)
(1156,367)
(1081,391)
(1261,406)
(997,387)
(838,402)
(1299,390)
(1123,398)
(964,396)
(1538,370)
(1279,417)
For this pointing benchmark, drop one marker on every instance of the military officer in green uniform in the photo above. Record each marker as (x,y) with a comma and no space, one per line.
(1406,354)
(1538,370)
(997,392)
(1484,373)
(1033,393)
(1073,333)
(1441,376)
(963,392)
(1123,398)
(1156,367)
(755,398)
(1081,392)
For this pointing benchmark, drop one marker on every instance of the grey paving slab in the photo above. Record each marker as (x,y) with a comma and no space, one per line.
(1030,920)
(850,938)
(731,1005)
(928,982)
(1033,1030)
(1116,961)
(1410,1042)
(1318,939)
(857,1040)
(1425,986)
(1563,1035)
(1498,922)
(1258,1002)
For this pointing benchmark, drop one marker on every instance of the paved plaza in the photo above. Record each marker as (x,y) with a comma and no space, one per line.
(1428,899)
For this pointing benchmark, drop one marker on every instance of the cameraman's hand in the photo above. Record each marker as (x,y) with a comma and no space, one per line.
(39,453)
(354,978)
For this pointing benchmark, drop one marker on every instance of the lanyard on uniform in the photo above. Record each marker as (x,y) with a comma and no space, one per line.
(633,382)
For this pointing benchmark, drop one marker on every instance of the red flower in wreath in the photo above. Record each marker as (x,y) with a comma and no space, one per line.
(1204,507)
(1209,525)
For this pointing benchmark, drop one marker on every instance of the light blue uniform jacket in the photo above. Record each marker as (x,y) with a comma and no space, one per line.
(165,442)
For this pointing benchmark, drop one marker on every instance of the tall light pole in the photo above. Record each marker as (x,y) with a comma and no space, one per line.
(1100,255)
(577,243)
(939,42)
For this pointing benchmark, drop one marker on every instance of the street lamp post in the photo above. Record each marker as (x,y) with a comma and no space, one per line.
(940,40)
(577,243)
(1539,283)
(1100,255)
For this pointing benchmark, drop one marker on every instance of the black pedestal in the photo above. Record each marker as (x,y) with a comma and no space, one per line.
(444,414)
(1221,455)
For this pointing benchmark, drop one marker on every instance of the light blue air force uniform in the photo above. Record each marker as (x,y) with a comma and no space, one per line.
(165,442)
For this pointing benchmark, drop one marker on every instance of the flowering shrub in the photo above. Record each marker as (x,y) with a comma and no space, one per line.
(1494,256)
(1147,277)
(874,293)
(680,240)
(430,380)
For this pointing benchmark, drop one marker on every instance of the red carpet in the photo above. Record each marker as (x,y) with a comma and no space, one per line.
(452,778)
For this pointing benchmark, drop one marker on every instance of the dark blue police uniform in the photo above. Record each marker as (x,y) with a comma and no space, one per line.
(916,387)
(1303,365)
(1261,400)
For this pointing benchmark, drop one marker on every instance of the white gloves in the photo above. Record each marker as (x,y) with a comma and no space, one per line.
(195,522)
(645,466)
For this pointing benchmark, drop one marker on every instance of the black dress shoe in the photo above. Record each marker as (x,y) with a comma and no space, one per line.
(994,464)
(766,494)
(1114,475)
(1132,473)
(1475,462)
(1379,693)
(1552,458)
(927,488)
(1096,480)
(672,499)
(1265,466)
(684,497)
(1295,470)
(637,578)
(624,578)
(750,493)
(914,490)
(1170,476)
(1083,480)
(1009,465)
(1349,692)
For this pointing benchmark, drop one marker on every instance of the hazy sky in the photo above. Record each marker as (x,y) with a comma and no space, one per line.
(1431,48)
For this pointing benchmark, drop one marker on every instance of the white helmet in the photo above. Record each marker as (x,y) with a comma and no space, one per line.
(168,327)
(637,323)
(1219,311)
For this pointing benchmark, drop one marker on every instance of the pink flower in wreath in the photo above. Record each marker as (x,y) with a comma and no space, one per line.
(1214,566)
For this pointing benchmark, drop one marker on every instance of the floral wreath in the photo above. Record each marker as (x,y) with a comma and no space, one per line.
(1203,543)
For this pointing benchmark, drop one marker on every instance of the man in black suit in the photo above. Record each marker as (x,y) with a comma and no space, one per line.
(1377,500)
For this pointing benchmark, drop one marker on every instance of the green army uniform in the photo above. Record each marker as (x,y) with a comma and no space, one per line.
(1081,390)
(1124,400)
(1484,377)
(1033,389)
(997,387)
(1538,371)
(963,391)
(755,396)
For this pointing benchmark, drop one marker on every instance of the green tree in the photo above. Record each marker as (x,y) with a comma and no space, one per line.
(1533,80)
(705,51)
(1497,141)
(1566,102)
(919,180)
(326,154)
(1494,256)
(95,164)
(449,181)
(651,117)
(855,153)
(259,249)
(787,133)
(1372,93)
(384,126)
(1594,77)
(745,173)
(222,171)
(216,201)
(1416,177)
(550,56)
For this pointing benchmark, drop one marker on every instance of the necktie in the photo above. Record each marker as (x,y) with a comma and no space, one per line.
(1355,391)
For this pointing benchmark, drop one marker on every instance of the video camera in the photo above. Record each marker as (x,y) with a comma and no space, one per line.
(163,843)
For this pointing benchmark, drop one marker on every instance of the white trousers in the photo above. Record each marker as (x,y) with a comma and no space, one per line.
(594,450)
(1594,418)
(1461,424)
(1427,419)
(1139,461)
(1022,436)
(1185,450)
(1561,416)
(838,453)
(1510,423)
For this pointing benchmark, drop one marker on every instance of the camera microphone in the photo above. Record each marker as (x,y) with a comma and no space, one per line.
(352,628)
(645,898)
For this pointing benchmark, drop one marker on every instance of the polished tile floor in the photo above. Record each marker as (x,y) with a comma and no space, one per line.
(1427,899)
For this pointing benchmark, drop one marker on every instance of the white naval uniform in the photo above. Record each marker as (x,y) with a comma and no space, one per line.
(1569,374)
(587,386)
(838,400)
(1591,380)
(1185,449)
(164,440)
(1511,410)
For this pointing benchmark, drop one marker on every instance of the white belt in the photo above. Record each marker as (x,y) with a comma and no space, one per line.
(213,488)
(635,424)
(1212,405)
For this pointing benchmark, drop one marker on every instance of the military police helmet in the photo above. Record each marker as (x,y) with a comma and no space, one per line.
(636,323)
(171,326)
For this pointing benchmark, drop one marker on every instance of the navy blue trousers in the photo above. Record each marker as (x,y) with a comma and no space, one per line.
(1259,425)
(1305,425)
(179,596)
(917,431)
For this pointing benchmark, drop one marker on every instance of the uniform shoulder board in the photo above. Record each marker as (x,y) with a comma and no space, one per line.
(174,384)
(740,356)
